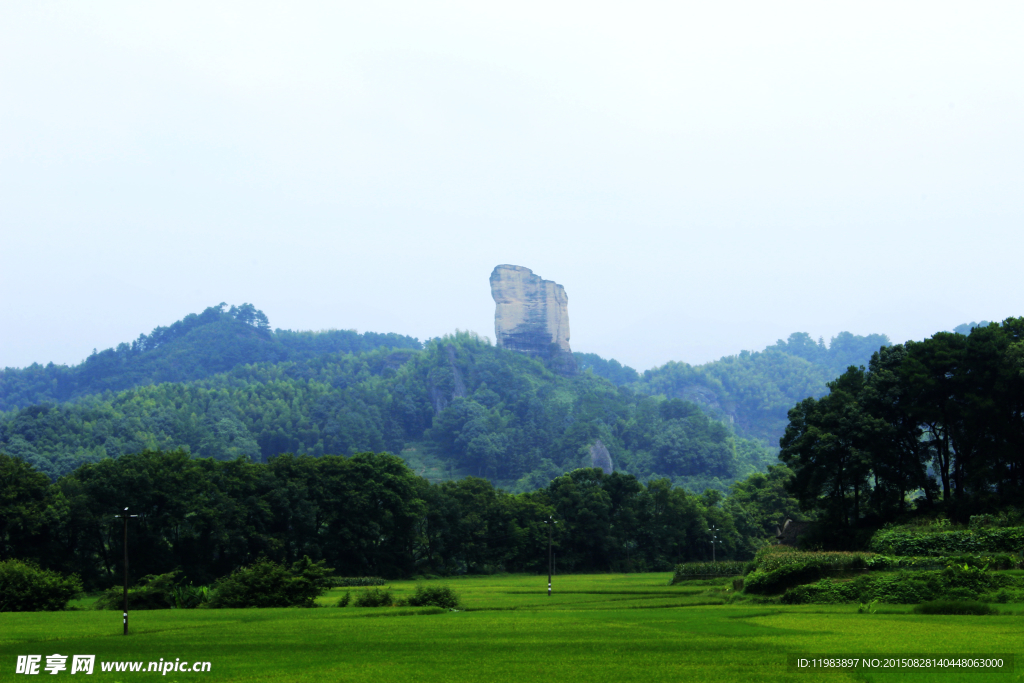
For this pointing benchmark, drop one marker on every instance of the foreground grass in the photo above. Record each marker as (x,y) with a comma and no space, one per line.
(594,628)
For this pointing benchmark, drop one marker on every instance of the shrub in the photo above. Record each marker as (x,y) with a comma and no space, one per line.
(344,599)
(825,591)
(434,596)
(701,570)
(375,597)
(189,597)
(24,587)
(155,591)
(778,580)
(771,558)
(903,588)
(906,587)
(955,607)
(268,584)
(922,541)
(994,561)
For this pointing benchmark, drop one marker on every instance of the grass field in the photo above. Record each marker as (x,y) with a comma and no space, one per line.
(595,628)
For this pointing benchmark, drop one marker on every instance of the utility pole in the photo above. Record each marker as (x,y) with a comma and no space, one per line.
(124,518)
(551,530)
(714,539)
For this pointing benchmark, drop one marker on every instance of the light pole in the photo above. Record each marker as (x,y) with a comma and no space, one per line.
(714,539)
(551,530)
(124,517)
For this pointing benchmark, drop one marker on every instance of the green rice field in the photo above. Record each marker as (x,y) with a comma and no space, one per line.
(594,628)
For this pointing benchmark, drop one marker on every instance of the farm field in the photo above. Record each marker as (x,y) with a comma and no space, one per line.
(595,628)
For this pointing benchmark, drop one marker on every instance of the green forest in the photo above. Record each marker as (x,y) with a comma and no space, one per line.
(297,458)
(222,384)
(366,515)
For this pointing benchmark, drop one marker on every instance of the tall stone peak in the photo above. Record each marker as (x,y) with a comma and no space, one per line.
(531,316)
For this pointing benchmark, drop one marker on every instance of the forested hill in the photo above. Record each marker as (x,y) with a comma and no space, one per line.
(458,407)
(752,391)
(222,384)
(196,347)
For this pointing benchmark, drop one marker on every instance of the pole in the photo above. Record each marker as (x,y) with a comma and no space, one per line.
(124,519)
(551,530)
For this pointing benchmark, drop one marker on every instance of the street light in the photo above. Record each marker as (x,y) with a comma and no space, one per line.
(714,539)
(551,530)
(124,517)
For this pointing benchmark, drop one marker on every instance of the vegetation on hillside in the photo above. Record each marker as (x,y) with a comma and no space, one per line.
(930,427)
(753,391)
(196,347)
(221,384)
(479,409)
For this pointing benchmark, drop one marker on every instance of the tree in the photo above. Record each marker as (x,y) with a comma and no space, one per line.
(826,447)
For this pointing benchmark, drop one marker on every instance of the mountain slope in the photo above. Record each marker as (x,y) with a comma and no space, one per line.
(196,347)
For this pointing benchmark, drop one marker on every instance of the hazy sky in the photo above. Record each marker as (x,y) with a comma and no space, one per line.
(701,177)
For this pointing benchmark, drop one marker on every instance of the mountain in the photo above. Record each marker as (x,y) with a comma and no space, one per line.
(221,384)
(196,347)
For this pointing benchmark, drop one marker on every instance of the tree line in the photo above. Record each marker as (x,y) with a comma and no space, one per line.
(366,514)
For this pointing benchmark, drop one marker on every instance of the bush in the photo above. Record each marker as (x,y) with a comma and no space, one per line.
(701,570)
(778,580)
(955,607)
(24,587)
(774,557)
(921,541)
(825,591)
(906,587)
(375,597)
(344,599)
(434,596)
(993,561)
(268,584)
(189,597)
(155,591)
(778,568)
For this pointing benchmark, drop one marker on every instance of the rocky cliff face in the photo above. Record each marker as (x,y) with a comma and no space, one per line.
(532,316)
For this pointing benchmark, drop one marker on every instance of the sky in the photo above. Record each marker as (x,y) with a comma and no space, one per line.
(702,178)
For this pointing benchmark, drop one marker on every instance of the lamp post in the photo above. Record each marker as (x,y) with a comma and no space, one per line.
(714,539)
(124,518)
(551,530)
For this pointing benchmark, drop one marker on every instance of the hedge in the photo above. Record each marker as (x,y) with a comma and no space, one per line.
(904,587)
(355,581)
(703,570)
(993,561)
(773,557)
(777,568)
(909,541)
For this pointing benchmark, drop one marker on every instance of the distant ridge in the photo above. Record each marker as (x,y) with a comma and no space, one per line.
(196,347)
